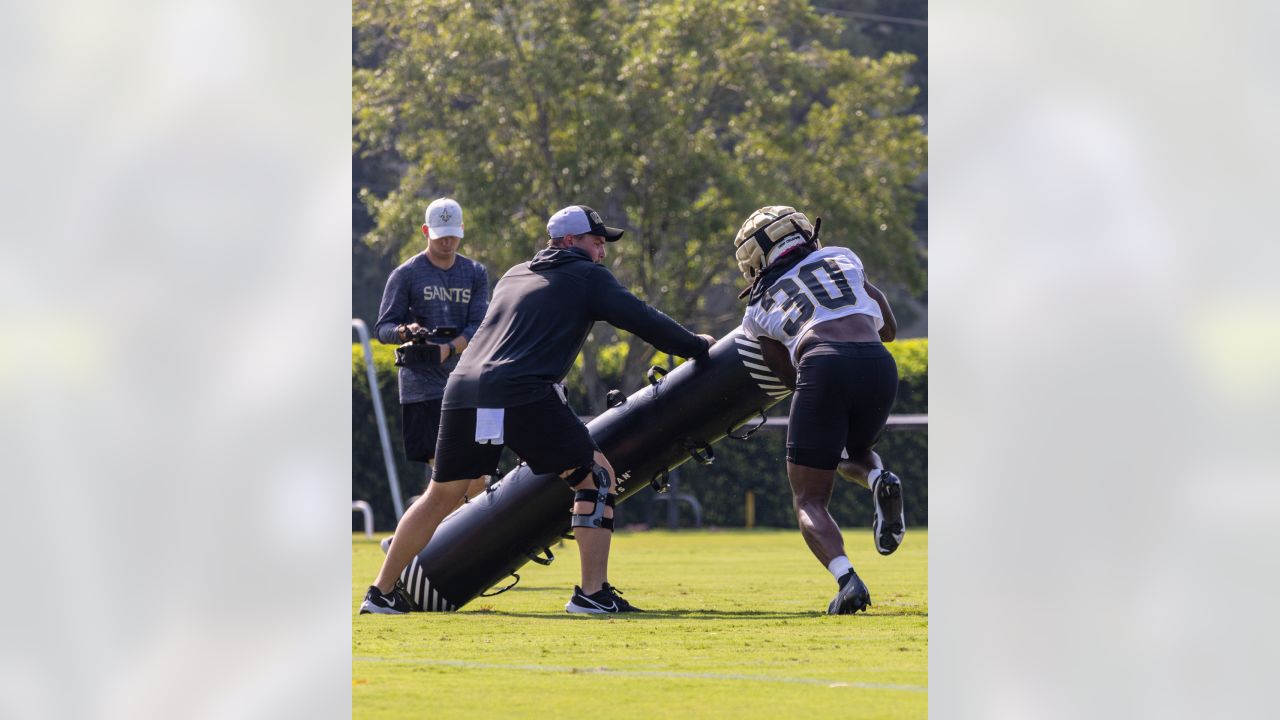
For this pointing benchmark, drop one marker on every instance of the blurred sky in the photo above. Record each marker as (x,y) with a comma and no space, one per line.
(1103,333)
(175,276)
(176,427)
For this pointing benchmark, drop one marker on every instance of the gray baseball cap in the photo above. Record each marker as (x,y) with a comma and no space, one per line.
(580,220)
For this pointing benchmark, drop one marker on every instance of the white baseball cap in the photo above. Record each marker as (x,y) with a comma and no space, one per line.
(580,220)
(444,218)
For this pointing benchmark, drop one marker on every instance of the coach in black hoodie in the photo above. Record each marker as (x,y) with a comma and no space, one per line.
(505,390)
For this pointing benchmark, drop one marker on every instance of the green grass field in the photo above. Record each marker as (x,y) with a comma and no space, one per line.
(736,628)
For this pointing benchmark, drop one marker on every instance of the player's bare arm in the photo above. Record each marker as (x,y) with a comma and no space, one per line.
(779,360)
(889,330)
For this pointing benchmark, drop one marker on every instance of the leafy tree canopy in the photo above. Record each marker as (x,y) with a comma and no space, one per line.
(674,119)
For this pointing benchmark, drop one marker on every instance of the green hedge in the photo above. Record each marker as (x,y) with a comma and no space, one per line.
(757,464)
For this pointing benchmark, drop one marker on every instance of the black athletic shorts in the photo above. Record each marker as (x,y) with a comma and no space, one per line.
(844,392)
(545,433)
(420,423)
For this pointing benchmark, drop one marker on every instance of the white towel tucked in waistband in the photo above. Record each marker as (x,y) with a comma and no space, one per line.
(489,425)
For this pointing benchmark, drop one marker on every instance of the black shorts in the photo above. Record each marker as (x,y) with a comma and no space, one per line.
(545,433)
(844,392)
(419,426)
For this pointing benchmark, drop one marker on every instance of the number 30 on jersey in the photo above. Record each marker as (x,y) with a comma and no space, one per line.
(824,282)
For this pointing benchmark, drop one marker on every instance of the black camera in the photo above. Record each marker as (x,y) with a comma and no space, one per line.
(423,348)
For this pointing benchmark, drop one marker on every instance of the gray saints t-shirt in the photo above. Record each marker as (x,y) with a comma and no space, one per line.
(420,292)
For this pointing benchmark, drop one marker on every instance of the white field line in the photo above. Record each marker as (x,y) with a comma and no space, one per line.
(642,673)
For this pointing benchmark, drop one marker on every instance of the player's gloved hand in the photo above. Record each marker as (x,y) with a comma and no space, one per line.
(710,340)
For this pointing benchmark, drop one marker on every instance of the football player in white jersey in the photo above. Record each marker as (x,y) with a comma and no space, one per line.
(822,329)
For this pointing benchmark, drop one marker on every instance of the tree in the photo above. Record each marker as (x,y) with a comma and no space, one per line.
(674,119)
(874,27)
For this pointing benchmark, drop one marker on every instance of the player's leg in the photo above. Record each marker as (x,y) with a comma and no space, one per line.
(430,433)
(888,518)
(816,433)
(858,466)
(594,498)
(553,439)
(421,435)
(459,460)
(811,489)
(419,428)
(416,527)
(811,493)
(593,519)
(595,491)
(871,401)
(476,487)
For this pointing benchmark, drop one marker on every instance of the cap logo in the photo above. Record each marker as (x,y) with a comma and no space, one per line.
(445,215)
(595,218)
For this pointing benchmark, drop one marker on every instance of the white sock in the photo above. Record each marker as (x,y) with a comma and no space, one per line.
(839,567)
(871,476)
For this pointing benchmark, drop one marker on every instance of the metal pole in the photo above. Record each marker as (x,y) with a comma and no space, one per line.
(367,511)
(387,457)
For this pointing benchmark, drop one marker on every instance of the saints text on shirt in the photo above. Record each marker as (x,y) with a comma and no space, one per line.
(436,292)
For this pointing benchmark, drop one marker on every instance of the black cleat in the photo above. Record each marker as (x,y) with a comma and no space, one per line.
(395,602)
(888,524)
(603,602)
(853,596)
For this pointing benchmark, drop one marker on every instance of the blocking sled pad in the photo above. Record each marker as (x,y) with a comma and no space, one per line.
(676,418)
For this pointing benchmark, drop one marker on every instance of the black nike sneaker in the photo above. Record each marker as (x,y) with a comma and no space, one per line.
(888,524)
(853,596)
(395,602)
(603,602)
(617,596)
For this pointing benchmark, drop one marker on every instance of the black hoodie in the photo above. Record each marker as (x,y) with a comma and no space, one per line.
(536,323)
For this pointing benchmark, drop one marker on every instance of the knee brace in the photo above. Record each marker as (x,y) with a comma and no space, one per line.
(600,497)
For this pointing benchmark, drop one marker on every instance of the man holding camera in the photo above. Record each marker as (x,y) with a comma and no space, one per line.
(431,307)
